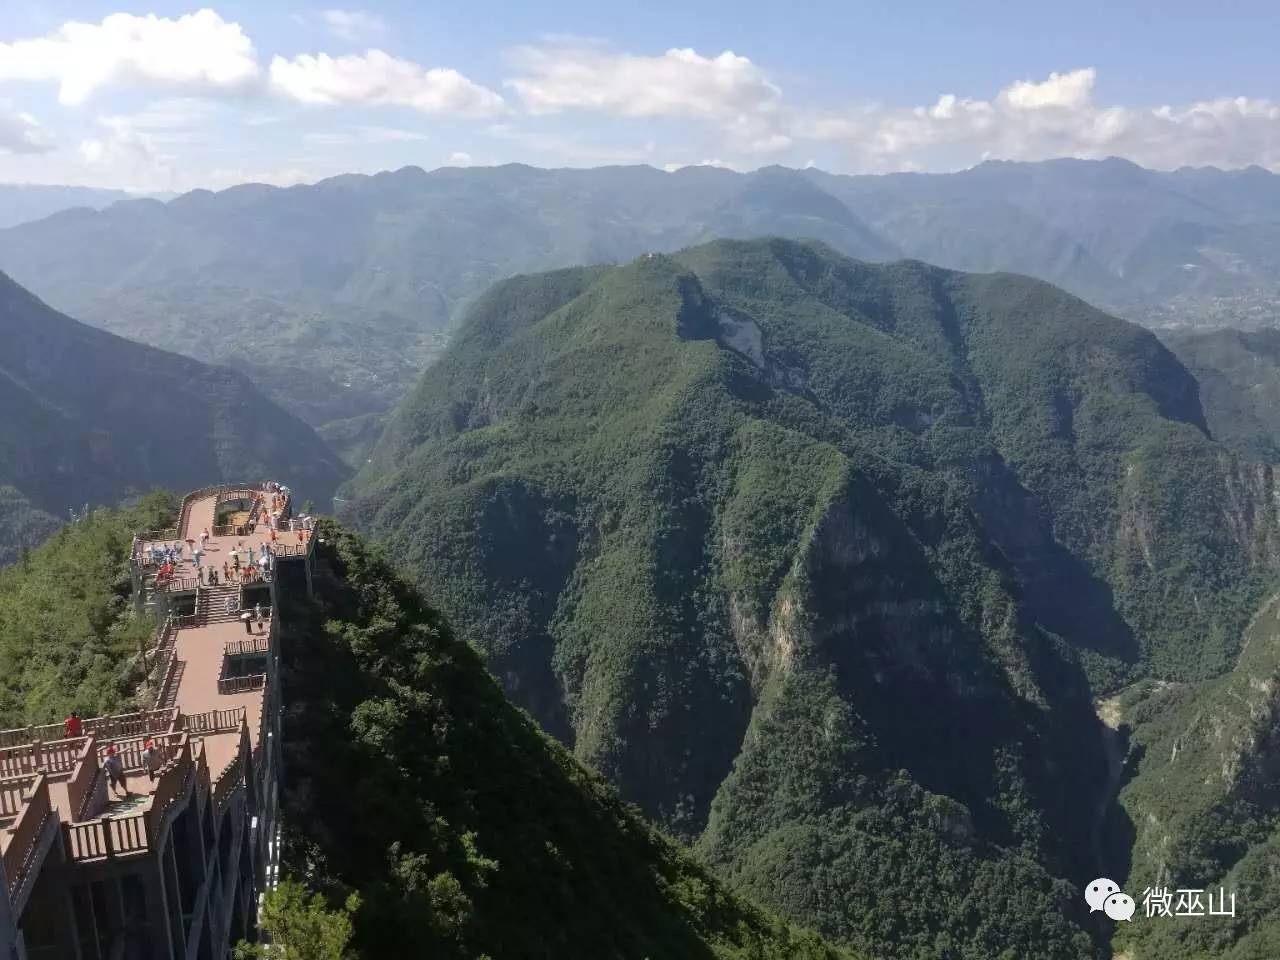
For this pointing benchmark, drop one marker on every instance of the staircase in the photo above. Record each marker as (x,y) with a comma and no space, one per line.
(217,604)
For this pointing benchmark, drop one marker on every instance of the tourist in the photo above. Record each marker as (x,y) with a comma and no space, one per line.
(74,726)
(114,768)
(262,620)
(226,572)
(152,760)
(247,619)
(204,538)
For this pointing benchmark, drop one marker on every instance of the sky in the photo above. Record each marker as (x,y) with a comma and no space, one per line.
(170,96)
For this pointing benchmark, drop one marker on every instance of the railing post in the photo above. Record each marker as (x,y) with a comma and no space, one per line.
(108,845)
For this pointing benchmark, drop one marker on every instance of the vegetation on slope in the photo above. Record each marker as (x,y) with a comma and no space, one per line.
(700,510)
(1239,376)
(69,635)
(466,831)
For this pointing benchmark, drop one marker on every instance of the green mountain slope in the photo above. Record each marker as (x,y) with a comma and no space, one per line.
(69,633)
(1239,375)
(91,417)
(822,563)
(471,833)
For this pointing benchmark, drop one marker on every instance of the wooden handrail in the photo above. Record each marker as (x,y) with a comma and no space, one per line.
(107,838)
(214,721)
(80,786)
(247,648)
(24,833)
(13,793)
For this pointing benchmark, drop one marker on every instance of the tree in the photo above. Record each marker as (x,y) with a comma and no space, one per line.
(298,925)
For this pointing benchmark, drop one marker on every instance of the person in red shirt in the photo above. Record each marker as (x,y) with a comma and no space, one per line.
(74,726)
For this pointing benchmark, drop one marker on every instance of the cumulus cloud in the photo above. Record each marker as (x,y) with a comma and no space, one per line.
(681,82)
(198,51)
(353,25)
(21,133)
(727,89)
(1058,116)
(377,78)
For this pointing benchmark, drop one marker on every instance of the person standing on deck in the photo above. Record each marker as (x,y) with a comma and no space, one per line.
(262,622)
(247,619)
(114,768)
(204,538)
(152,760)
(74,726)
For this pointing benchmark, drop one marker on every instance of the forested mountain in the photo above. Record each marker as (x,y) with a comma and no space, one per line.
(333,296)
(412,780)
(1239,375)
(90,417)
(824,564)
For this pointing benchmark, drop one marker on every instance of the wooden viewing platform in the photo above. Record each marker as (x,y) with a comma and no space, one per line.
(191,847)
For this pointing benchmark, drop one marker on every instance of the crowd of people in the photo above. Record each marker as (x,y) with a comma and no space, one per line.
(245,564)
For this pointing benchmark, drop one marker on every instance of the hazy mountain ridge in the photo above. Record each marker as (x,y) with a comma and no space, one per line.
(22,203)
(347,287)
(91,417)
(725,521)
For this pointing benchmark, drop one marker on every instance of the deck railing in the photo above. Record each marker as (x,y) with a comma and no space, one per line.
(83,776)
(172,784)
(214,721)
(225,783)
(13,793)
(282,549)
(122,725)
(230,685)
(24,834)
(107,838)
(177,584)
(56,757)
(247,648)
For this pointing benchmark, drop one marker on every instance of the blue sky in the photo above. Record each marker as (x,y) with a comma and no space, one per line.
(169,96)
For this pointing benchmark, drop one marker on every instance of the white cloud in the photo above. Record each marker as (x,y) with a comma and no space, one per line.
(376,78)
(1072,90)
(580,74)
(353,25)
(1056,117)
(20,132)
(459,158)
(198,51)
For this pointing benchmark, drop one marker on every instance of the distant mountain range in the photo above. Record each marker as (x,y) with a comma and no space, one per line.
(333,296)
(91,417)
